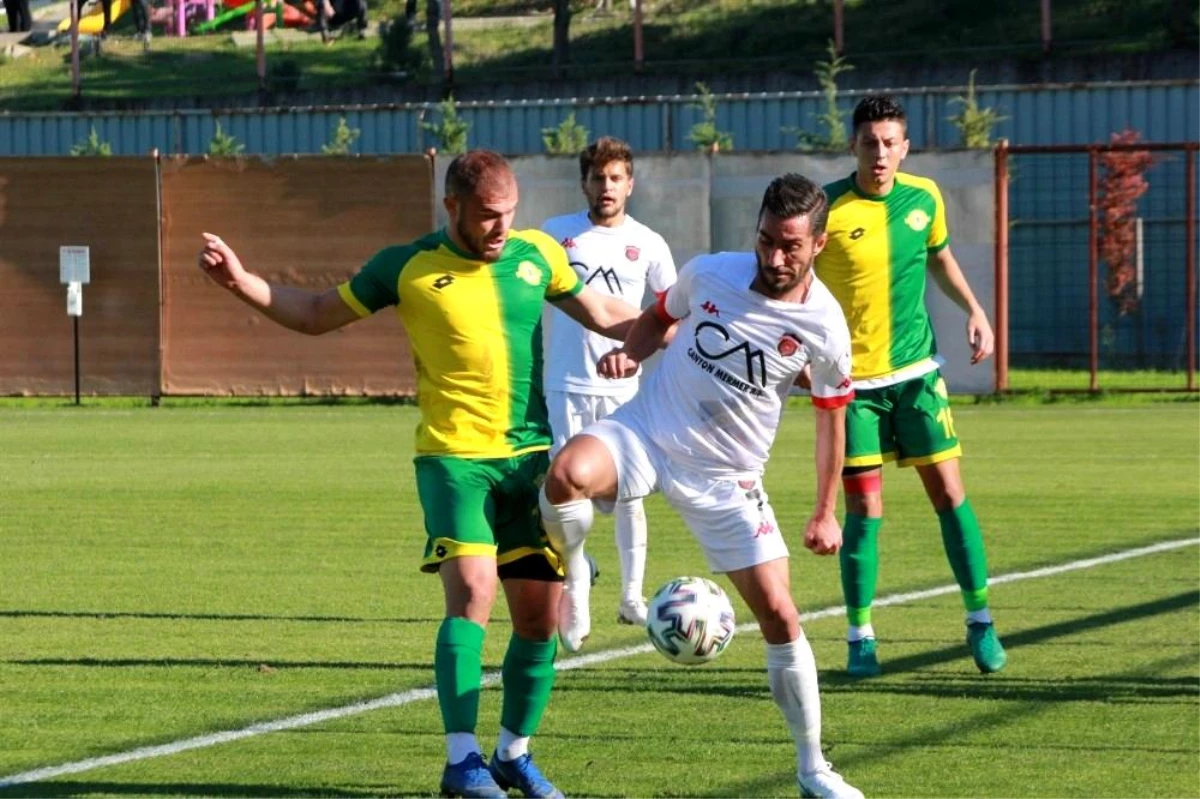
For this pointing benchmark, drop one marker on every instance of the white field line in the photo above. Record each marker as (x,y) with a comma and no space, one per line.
(491,678)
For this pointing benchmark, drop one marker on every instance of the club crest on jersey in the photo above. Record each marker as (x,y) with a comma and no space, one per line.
(917,219)
(788,345)
(632,252)
(528,271)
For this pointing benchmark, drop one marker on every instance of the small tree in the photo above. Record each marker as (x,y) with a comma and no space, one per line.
(223,144)
(397,53)
(974,124)
(833,119)
(450,131)
(1123,183)
(92,146)
(569,138)
(343,139)
(704,134)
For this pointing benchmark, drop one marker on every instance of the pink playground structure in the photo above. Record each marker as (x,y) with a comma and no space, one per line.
(176,14)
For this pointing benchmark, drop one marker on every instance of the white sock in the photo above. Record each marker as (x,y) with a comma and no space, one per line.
(567,526)
(792,673)
(510,746)
(981,616)
(859,633)
(630,518)
(459,745)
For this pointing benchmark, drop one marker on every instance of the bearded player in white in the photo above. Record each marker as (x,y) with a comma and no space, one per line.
(616,255)
(703,423)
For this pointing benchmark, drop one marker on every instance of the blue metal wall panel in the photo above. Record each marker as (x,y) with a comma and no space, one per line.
(1048,199)
(1032,115)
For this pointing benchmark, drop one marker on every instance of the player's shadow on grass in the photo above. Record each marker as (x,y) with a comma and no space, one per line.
(838,680)
(102,614)
(262,664)
(81,788)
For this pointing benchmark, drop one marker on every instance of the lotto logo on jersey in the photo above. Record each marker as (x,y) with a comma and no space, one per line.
(917,219)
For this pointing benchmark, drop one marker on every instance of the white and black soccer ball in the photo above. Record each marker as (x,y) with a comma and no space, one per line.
(690,620)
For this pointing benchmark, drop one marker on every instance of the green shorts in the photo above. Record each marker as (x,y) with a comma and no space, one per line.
(485,506)
(909,422)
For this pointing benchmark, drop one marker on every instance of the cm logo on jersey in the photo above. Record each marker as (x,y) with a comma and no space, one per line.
(609,276)
(754,360)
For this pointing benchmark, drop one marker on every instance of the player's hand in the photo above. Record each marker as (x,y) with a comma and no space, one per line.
(980,337)
(804,379)
(616,364)
(220,262)
(823,535)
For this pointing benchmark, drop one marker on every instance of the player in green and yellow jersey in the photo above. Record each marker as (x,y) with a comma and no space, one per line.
(470,297)
(885,229)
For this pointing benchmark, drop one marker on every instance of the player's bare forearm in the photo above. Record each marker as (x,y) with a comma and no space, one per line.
(951,280)
(830,457)
(600,313)
(647,334)
(296,309)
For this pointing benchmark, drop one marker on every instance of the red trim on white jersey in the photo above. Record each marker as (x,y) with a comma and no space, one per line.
(660,309)
(829,403)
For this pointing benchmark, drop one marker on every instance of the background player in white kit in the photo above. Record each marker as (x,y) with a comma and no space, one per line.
(701,427)
(617,255)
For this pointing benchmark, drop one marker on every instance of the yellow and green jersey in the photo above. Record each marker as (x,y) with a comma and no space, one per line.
(874,264)
(475,332)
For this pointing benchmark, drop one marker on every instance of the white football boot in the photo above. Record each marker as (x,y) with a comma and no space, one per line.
(632,611)
(825,783)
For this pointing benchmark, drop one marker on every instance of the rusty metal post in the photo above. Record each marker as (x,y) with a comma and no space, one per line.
(638,52)
(1189,249)
(1093,271)
(839,26)
(1001,265)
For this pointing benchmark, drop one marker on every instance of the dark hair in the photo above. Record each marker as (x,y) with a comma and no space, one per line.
(793,195)
(602,152)
(878,108)
(474,169)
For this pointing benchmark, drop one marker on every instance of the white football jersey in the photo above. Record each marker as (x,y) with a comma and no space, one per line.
(621,261)
(715,400)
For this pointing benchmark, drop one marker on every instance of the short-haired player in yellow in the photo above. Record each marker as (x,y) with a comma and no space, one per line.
(470,297)
(886,228)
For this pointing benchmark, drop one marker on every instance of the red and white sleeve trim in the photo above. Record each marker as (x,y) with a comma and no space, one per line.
(660,310)
(829,403)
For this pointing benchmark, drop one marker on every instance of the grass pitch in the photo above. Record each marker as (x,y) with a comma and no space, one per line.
(174,572)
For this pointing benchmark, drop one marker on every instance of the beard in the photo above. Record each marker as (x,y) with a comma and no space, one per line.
(476,244)
(775,285)
(601,211)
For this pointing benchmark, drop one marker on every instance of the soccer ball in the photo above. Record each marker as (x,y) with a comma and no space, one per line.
(690,620)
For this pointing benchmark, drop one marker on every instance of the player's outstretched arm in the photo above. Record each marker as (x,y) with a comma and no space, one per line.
(953,283)
(823,534)
(599,313)
(304,311)
(649,333)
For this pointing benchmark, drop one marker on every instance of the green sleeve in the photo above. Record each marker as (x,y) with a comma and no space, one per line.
(376,285)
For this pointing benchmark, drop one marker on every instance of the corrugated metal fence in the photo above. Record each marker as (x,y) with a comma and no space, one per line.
(1062,114)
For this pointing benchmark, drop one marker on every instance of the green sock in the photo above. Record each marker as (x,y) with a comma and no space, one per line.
(528,675)
(860,566)
(458,668)
(964,548)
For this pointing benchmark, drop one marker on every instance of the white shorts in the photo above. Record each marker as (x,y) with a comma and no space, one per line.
(570,413)
(730,517)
